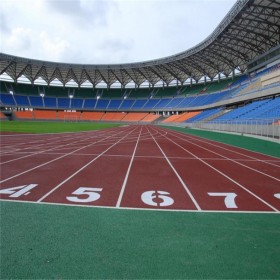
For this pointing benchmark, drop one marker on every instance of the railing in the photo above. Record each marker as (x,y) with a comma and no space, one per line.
(261,127)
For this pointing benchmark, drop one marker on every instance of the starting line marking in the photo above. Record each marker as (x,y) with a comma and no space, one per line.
(140,209)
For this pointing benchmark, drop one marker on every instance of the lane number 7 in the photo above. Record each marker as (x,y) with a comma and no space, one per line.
(229,198)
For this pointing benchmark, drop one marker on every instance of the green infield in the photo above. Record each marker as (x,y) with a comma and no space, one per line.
(62,242)
(51,127)
(241,141)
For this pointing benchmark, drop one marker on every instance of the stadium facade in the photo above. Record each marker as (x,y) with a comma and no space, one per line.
(250,29)
(185,89)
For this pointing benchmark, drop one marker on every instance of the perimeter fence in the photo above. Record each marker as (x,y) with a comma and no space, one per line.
(261,127)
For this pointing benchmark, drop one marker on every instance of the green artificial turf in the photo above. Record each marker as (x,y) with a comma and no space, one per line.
(51,127)
(61,242)
(246,142)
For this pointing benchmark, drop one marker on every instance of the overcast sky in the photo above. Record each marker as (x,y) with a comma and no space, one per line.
(106,32)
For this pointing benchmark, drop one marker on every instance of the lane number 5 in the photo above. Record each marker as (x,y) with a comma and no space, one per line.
(84,195)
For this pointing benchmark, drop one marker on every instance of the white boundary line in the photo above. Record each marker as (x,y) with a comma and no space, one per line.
(139,209)
(209,141)
(178,176)
(232,160)
(43,151)
(82,168)
(127,172)
(229,178)
(38,166)
(76,139)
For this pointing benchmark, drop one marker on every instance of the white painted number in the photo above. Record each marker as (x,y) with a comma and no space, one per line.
(152,197)
(18,191)
(92,194)
(277,195)
(229,199)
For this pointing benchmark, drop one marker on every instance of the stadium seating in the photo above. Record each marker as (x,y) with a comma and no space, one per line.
(36,101)
(22,100)
(45,115)
(50,102)
(102,104)
(76,103)
(265,109)
(2,116)
(7,99)
(63,103)
(150,118)
(68,116)
(138,104)
(127,104)
(134,117)
(182,117)
(91,116)
(203,115)
(114,116)
(115,104)
(24,115)
(55,100)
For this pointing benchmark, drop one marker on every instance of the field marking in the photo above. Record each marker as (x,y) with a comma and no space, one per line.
(232,160)
(49,133)
(210,142)
(49,141)
(128,171)
(23,146)
(48,162)
(139,156)
(82,168)
(226,176)
(40,152)
(139,209)
(178,176)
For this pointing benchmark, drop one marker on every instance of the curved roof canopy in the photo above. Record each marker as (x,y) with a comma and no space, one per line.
(250,28)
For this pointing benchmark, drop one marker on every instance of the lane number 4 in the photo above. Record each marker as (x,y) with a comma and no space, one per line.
(18,191)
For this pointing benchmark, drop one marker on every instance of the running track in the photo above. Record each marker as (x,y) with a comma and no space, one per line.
(142,167)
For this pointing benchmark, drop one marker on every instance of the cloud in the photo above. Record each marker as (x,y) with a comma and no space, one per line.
(53,47)
(19,39)
(4,27)
(104,32)
(86,13)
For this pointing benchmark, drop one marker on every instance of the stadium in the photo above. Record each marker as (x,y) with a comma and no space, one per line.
(160,169)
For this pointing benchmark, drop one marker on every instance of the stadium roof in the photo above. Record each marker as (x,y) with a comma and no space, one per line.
(250,28)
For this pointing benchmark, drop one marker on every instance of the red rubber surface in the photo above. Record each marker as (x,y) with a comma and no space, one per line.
(138,167)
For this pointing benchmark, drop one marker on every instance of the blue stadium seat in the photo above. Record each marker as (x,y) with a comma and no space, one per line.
(7,99)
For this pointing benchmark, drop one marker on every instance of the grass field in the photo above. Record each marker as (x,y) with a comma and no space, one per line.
(42,241)
(51,127)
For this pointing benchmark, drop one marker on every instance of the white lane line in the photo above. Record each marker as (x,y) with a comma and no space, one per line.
(137,209)
(229,159)
(48,162)
(82,168)
(229,178)
(51,142)
(178,176)
(210,142)
(43,151)
(127,172)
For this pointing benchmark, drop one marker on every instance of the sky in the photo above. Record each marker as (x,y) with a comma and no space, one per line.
(106,31)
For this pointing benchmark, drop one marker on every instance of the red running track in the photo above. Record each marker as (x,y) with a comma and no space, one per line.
(137,166)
